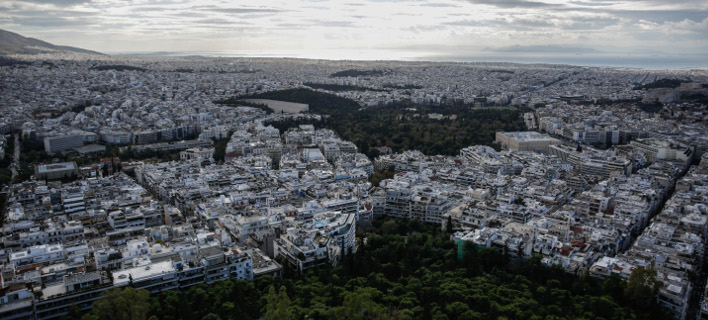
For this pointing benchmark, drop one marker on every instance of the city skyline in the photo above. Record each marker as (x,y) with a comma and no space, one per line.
(598,32)
(148,184)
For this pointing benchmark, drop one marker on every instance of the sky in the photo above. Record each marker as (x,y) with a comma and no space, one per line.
(374,29)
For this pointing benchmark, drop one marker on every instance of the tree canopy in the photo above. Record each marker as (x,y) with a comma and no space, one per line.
(357,73)
(407,126)
(319,102)
(406,270)
(278,305)
(120,304)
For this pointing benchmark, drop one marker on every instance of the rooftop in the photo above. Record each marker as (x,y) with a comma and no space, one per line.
(46,168)
(122,277)
(527,136)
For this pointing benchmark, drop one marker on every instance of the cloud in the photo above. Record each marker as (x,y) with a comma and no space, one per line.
(452,27)
(591,4)
(239,10)
(658,15)
(217,22)
(58,3)
(684,27)
(244,10)
(53,22)
(51,13)
(543,49)
(507,4)
(330,23)
(439,5)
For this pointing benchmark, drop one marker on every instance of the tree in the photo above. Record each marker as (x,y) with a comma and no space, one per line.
(122,304)
(278,305)
(405,271)
(220,148)
(74,313)
(211,316)
(360,304)
(448,225)
(614,286)
(642,287)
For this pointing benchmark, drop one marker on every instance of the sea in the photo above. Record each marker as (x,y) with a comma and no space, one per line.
(627,61)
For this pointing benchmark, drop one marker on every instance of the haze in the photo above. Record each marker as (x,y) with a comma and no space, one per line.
(651,32)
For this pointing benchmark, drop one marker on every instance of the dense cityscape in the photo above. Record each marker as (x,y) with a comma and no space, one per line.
(134,172)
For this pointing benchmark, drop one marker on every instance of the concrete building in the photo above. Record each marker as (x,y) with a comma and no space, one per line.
(56,170)
(656,149)
(525,141)
(320,241)
(63,143)
(37,255)
(201,154)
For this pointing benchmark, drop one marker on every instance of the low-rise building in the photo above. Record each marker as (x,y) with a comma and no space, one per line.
(56,171)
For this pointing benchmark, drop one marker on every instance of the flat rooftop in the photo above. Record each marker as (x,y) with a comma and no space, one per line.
(54,167)
(90,148)
(527,136)
(122,277)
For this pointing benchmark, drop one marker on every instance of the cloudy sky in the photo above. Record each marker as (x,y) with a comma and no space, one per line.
(383,28)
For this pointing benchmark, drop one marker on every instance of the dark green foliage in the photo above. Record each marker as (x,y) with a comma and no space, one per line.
(9,152)
(661,83)
(608,101)
(695,97)
(3,201)
(121,304)
(339,87)
(73,313)
(361,304)
(24,172)
(118,67)
(502,71)
(408,270)
(319,102)
(357,73)
(229,299)
(7,61)
(378,176)
(235,102)
(32,151)
(81,106)
(278,305)
(5,162)
(651,107)
(642,287)
(5,176)
(399,127)
(614,287)
(404,86)
(220,149)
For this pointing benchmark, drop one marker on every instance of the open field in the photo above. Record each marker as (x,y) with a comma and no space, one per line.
(278,106)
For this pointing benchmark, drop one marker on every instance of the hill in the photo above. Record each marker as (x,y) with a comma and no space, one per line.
(13,43)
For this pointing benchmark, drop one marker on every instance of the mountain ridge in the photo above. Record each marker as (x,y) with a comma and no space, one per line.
(13,43)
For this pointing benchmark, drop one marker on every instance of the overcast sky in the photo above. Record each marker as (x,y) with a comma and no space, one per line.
(454,28)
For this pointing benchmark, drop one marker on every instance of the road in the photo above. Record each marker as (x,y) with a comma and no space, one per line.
(16,158)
